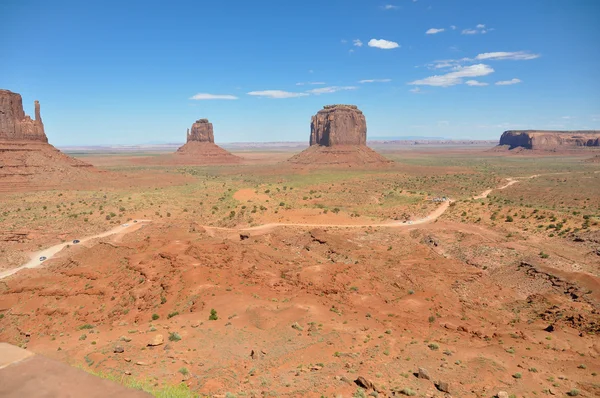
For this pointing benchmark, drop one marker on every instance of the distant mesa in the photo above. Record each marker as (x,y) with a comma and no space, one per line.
(338,137)
(200,147)
(549,140)
(27,160)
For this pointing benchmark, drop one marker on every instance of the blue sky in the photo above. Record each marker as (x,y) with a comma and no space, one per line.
(125,72)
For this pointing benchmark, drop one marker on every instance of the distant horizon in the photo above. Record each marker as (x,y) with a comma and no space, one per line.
(120,73)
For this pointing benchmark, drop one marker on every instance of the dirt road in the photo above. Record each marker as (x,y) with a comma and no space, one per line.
(125,228)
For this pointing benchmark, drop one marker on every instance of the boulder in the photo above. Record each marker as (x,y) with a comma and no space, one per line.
(15,125)
(423,374)
(338,125)
(550,140)
(156,341)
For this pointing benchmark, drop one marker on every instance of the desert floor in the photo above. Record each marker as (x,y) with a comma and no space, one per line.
(261,279)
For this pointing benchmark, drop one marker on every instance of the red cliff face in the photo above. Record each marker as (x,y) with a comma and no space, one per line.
(338,125)
(15,125)
(202,131)
(550,140)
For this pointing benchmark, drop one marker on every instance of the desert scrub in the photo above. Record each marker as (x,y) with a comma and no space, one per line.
(172,314)
(174,336)
(155,317)
(213,315)
(433,346)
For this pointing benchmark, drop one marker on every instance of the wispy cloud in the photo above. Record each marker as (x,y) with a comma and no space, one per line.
(276,94)
(456,76)
(415,90)
(452,27)
(383,44)
(390,7)
(206,96)
(480,28)
(375,81)
(475,83)
(357,43)
(500,55)
(329,90)
(508,82)
(434,31)
(310,83)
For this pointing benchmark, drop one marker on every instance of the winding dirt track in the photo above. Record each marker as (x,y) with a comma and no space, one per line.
(50,252)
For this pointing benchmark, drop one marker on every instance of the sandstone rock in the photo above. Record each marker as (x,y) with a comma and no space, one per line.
(15,125)
(502,394)
(443,386)
(550,140)
(423,374)
(157,340)
(200,148)
(364,383)
(118,349)
(202,131)
(338,137)
(338,125)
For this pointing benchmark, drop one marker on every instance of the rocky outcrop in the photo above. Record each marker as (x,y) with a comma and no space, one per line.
(338,125)
(338,138)
(27,161)
(15,125)
(202,131)
(550,140)
(200,148)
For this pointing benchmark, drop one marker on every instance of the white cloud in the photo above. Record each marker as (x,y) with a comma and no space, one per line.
(310,83)
(329,90)
(351,50)
(475,83)
(344,41)
(500,55)
(390,7)
(205,96)
(452,27)
(415,90)
(480,26)
(469,32)
(508,82)
(276,94)
(357,43)
(478,29)
(375,81)
(567,117)
(455,77)
(433,31)
(383,44)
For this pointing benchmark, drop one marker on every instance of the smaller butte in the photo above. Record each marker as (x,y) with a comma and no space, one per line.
(338,137)
(200,147)
(544,140)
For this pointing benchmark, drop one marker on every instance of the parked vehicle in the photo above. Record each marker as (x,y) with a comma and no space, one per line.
(43,258)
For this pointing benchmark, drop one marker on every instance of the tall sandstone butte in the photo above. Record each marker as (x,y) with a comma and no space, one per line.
(200,147)
(550,140)
(338,125)
(27,160)
(15,125)
(202,131)
(338,137)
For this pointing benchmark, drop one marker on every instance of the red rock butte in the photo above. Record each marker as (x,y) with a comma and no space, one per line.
(338,137)
(550,140)
(200,147)
(27,160)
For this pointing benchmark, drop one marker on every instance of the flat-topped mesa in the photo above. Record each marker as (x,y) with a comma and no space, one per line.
(338,125)
(550,140)
(15,125)
(202,131)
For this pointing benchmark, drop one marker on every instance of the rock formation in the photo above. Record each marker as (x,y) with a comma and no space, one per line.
(202,131)
(549,140)
(15,125)
(338,125)
(200,147)
(27,160)
(338,137)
